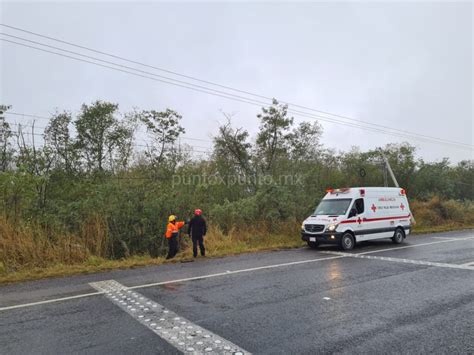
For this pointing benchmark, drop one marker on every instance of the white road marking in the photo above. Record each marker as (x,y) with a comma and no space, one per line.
(471,263)
(235,272)
(176,330)
(228,272)
(406,261)
(83,295)
(326,298)
(292,263)
(415,245)
(202,277)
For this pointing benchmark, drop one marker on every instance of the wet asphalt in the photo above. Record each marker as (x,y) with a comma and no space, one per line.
(332,305)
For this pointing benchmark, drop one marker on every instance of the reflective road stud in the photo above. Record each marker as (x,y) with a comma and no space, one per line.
(190,339)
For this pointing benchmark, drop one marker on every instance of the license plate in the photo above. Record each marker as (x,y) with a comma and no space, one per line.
(312,239)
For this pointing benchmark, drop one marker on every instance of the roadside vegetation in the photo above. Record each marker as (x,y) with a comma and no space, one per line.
(95,194)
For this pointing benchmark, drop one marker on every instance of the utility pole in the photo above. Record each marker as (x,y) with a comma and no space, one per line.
(388,168)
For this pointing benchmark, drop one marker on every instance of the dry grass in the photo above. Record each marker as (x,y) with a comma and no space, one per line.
(30,246)
(30,253)
(91,265)
(440,229)
(217,244)
(435,213)
(235,242)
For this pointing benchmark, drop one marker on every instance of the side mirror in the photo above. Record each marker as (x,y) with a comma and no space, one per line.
(352,213)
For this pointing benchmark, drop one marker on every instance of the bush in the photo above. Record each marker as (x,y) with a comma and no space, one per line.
(436,212)
(244,225)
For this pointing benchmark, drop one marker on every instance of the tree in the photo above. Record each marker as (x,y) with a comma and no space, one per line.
(402,160)
(165,130)
(272,139)
(57,136)
(6,151)
(304,142)
(120,143)
(463,178)
(36,161)
(100,135)
(231,147)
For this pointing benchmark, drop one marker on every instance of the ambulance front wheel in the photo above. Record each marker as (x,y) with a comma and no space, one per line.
(313,245)
(398,236)
(347,241)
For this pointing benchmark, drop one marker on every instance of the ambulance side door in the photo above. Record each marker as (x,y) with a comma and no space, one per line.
(359,206)
(372,223)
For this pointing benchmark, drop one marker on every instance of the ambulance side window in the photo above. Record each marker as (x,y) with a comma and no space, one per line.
(359,205)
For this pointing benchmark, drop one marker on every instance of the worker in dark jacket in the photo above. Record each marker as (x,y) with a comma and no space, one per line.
(197,230)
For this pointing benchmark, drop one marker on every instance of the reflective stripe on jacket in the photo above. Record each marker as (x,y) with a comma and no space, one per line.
(173,229)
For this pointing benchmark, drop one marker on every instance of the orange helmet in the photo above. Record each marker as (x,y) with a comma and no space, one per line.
(197,212)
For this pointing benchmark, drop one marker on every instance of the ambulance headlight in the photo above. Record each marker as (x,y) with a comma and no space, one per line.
(302,225)
(332,227)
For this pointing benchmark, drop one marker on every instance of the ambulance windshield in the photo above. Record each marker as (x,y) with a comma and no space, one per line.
(334,207)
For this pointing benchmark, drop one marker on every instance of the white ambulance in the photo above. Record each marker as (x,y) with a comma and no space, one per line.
(350,215)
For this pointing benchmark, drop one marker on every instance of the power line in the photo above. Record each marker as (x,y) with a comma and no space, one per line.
(208,151)
(205,81)
(204,152)
(201,80)
(147,146)
(128,72)
(233,97)
(198,87)
(133,145)
(118,65)
(27,115)
(258,103)
(49,118)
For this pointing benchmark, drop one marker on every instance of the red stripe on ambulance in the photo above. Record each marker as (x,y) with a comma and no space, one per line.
(375,219)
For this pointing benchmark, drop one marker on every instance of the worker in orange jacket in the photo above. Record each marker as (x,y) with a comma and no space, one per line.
(172,232)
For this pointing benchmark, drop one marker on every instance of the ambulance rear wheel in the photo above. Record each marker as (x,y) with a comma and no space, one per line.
(398,236)
(347,241)
(313,245)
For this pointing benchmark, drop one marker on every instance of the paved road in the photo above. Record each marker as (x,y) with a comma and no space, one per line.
(379,298)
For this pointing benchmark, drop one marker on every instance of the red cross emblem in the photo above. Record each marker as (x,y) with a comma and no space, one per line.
(373,208)
(359,220)
(402,206)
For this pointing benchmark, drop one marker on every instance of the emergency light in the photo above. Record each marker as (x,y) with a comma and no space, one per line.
(339,191)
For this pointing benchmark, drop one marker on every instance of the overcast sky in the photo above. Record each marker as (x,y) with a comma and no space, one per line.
(404,65)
